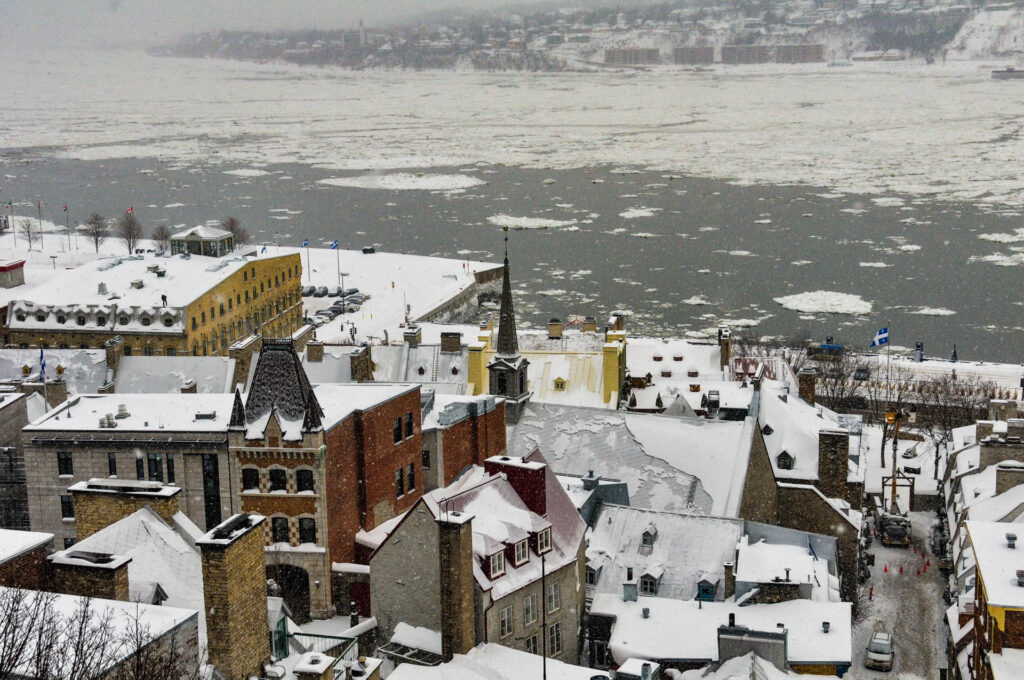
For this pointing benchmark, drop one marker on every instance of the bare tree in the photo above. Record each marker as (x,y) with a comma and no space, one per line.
(97,229)
(129,230)
(792,348)
(837,383)
(891,389)
(233,225)
(171,658)
(162,237)
(26,231)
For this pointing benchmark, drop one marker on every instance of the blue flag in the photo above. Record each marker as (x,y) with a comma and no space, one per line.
(881,337)
(42,363)
(334,246)
(264,250)
(305,243)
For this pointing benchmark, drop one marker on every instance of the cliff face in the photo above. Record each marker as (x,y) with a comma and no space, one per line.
(990,34)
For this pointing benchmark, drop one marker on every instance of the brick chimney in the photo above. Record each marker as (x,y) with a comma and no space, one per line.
(451,341)
(589,325)
(314,351)
(235,594)
(808,379)
(115,350)
(528,479)
(189,387)
(554,329)
(98,503)
(458,612)
(413,336)
(1008,475)
(730,579)
(833,462)
(90,574)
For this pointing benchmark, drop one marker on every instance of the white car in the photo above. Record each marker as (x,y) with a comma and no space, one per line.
(880,652)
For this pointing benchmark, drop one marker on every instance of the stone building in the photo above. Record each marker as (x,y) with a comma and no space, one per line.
(13,494)
(161,305)
(321,463)
(180,439)
(495,557)
(998,647)
(23,558)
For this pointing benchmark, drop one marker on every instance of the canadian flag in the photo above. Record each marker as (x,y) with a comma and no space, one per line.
(65,208)
(130,210)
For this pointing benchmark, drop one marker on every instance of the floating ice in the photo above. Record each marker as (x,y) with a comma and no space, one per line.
(528,222)
(247,172)
(934,311)
(876,265)
(404,181)
(825,301)
(633,213)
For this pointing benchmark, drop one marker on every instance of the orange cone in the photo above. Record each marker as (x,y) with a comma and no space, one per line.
(886,570)
(926,570)
(918,572)
(901,568)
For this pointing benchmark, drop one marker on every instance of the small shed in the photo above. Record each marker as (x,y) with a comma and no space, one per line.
(203,240)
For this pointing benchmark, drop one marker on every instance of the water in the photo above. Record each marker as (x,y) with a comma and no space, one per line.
(684,240)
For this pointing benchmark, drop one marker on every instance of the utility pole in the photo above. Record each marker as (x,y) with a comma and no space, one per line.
(544,618)
(39,208)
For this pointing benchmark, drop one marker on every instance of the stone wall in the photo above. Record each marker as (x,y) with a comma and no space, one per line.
(95,510)
(235,594)
(27,570)
(760,502)
(85,581)
(1008,477)
(13,491)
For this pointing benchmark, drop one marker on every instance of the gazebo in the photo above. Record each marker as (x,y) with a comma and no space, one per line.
(203,240)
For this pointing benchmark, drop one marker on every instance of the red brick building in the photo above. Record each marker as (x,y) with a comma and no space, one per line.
(458,432)
(23,559)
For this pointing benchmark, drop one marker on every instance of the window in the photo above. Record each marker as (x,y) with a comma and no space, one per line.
(307,530)
(544,541)
(426,459)
(230,304)
(147,351)
(127,350)
(398,430)
(202,318)
(278,480)
(80,320)
(250,479)
(101,321)
(497,564)
(304,480)
(408,425)
(67,507)
(399,483)
(222,309)
(592,575)
(123,320)
(705,591)
(245,277)
(140,466)
(61,318)
(145,321)
(194,324)
(212,316)
(505,621)
(647,540)
(156,468)
(68,542)
(170,468)
(169,321)
(410,476)
(554,598)
(533,644)
(279,529)
(65,466)
(40,317)
(529,609)
(112,464)
(554,639)
(261,287)
(522,553)
(502,383)
(648,585)
(171,352)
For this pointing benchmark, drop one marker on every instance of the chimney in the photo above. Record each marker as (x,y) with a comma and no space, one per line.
(1020,577)
(101,289)
(808,379)
(730,579)
(645,669)
(451,342)
(589,325)
(554,329)
(353,617)
(90,574)
(732,620)
(1011,541)
(824,627)
(189,387)
(630,592)
(314,351)
(235,596)
(590,481)
(413,336)
(115,350)
(100,502)
(646,613)
(315,666)
(724,346)
(787,573)
(455,556)
(528,479)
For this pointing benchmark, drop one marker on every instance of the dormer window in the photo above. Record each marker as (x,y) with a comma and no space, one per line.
(692,374)
(61,318)
(40,317)
(705,591)
(522,553)
(657,357)
(123,320)
(559,385)
(101,321)
(648,585)
(19,317)
(497,564)
(544,541)
(649,535)
(767,430)
(145,321)
(168,321)
(666,374)
(80,321)
(592,575)
(785,461)
(677,357)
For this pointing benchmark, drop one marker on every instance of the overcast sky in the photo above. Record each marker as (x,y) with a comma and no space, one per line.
(128,22)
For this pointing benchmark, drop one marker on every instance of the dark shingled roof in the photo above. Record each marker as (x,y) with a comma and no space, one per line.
(508,344)
(280,383)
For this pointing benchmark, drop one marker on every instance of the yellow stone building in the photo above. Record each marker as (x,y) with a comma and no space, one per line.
(184,304)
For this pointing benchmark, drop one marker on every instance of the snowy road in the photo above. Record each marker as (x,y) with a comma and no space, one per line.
(909,605)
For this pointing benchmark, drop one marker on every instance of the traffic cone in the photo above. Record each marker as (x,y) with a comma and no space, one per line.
(901,568)
(926,569)
(871,593)
(918,572)
(922,555)
(928,563)
(886,570)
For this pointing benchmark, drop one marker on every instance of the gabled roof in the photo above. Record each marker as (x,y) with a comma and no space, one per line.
(280,387)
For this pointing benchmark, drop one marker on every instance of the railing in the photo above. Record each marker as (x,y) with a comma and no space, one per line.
(343,648)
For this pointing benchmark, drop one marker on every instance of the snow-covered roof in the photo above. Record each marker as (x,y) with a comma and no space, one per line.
(417,637)
(745,667)
(445,410)
(202,231)
(1008,664)
(680,357)
(500,517)
(339,401)
(84,369)
(763,562)
(130,287)
(686,549)
(122,617)
(659,636)
(14,543)
(145,413)
(335,367)
(489,661)
(422,363)
(997,563)
(571,379)
(794,425)
(572,341)
(137,374)
(160,552)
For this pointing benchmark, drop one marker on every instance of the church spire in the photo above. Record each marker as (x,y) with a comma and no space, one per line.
(508,343)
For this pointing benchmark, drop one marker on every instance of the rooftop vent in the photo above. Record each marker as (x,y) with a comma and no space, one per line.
(208,415)
(787,573)
(647,612)
(732,620)
(1011,541)
(94,557)
(236,523)
(824,627)
(137,283)
(1020,578)
(102,288)
(122,412)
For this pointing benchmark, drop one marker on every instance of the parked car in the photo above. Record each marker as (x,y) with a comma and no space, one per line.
(349,291)
(356,298)
(880,652)
(334,291)
(320,292)
(320,321)
(369,250)
(307,291)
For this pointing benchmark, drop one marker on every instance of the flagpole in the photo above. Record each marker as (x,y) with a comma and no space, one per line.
(309,267)
(14,230)
(67,223)
(39,208)
(337,260)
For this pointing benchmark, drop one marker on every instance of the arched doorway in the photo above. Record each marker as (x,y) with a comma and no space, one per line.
(292,584)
